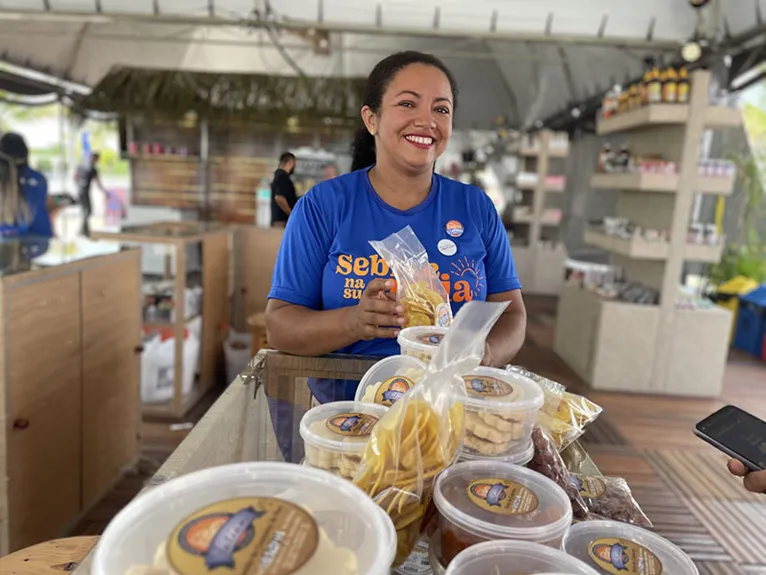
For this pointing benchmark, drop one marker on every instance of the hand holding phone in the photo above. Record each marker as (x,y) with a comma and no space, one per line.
(739,435)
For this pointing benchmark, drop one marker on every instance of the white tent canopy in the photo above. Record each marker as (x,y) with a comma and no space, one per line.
(525,59)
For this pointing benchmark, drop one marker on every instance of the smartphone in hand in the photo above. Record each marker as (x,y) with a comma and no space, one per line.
(738,434)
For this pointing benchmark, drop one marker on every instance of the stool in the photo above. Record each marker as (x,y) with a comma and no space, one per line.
(257,323)
(50,558)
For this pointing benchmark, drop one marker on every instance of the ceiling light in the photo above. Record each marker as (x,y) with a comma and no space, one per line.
(691,51)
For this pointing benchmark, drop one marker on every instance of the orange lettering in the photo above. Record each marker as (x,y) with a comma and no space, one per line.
(393,289)
(378,266)
(356,294)
(361,266)
(349,283)
(347,294)
(446,283)
(462,292)
(359,284)
(344,265)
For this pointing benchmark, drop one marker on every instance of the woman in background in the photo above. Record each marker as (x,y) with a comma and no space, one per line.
(330,290)
(23,192)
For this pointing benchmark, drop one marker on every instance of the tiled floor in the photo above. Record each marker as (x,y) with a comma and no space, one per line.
(681,483)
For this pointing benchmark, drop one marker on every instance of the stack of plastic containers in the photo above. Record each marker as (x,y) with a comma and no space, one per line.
(287,518)
(421,341)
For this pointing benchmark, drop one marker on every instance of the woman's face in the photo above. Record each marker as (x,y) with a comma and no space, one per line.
(415,120)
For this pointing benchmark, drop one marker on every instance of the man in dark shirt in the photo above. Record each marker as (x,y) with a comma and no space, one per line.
(85,176)
(283,196)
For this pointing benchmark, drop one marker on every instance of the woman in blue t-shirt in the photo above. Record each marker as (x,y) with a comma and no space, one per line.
(23,192)
(330,291)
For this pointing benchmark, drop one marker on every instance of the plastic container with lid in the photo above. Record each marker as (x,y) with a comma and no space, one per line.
(336,434)
(389,379)
(611,547)
(490,500)
(307,521)
(516,557)
(522,457)
(421,341)
(500,412)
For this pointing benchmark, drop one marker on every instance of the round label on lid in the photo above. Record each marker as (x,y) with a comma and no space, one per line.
(623,557)
(245,536)
(430,338)
(486,386)
(590,487)
(502,497)
(353,424)
(392,390)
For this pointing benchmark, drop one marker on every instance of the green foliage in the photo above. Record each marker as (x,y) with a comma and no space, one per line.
(746,254)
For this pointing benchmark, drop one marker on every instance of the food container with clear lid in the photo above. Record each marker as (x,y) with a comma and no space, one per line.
(612,548)
(287,518)
(421,341)
(516,557)
(389,379)
(520,457)
(490,500)
(500,412)
(336,434)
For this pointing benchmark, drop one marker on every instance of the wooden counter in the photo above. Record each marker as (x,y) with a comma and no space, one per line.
(69,374)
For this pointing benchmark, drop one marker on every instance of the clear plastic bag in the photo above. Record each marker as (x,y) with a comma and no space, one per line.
(552,391)
(421,434)
(565,415)
(610,498)
(548,462)
(419,290)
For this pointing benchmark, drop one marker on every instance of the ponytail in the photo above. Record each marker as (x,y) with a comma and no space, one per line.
(362,150)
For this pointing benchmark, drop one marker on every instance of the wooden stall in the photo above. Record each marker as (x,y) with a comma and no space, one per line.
(69,375)
(238,427)
(175,242)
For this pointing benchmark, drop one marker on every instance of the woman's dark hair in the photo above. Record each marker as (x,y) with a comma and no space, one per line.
(363,148)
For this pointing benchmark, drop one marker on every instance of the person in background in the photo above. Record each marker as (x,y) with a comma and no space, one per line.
(330,172)
(23,192)
(327,296)
(754,481)
(84,177)
(283,196)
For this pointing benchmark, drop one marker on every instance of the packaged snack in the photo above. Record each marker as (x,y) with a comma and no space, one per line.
(567,423)
(493,500)
(420,435)
(548,462)
(418,563)
(419,290)
(336,434)
(421,341)
(611,547)
(389,379)
(610,498)
(289,518)
(552,391)
(500,411)
(516,557)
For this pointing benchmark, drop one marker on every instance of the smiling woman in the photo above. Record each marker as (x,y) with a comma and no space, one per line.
(331,292)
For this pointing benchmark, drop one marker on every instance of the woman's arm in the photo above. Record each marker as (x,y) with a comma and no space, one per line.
(507,335)
(302,331)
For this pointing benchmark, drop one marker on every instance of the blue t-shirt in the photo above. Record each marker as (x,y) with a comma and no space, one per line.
(325,260)
(34,188)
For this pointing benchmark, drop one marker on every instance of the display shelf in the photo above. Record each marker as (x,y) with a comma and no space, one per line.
(636,248)
(612,345)
(542,269)
(164,158)
(666,183)
(654,114)
(634,348)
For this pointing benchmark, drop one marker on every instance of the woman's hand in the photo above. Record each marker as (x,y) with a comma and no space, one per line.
(378,314)
(755,481)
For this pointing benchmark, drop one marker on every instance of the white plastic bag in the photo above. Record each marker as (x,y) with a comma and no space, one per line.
(158,367)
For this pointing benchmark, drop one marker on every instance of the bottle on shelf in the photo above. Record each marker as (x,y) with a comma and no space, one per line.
(670,86)
(634,97)
(623,158)
(644,88)
(655,86)
(604,157)
(623,102)
(683,86)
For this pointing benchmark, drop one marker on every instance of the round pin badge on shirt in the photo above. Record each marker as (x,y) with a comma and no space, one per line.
(447,247)
(454,228)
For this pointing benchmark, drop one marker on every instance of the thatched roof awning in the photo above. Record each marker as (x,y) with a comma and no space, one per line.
(274,100)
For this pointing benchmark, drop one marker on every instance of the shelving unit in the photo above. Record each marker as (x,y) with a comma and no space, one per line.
(540,268)
(653,349)
(214,244)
